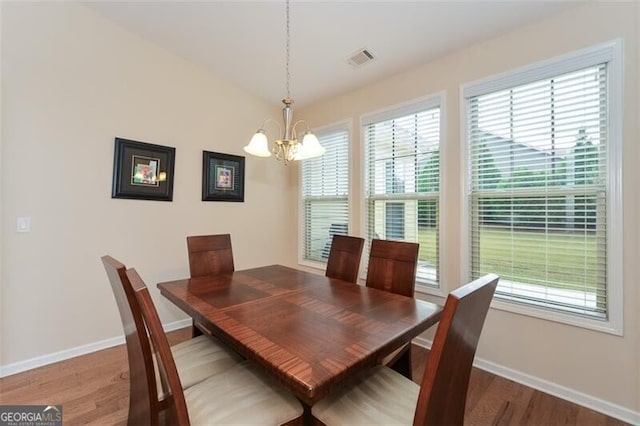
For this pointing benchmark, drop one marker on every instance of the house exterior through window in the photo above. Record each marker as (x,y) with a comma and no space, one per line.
(543,153)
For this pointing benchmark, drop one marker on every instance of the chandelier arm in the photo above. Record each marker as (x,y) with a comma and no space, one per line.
(293,128)
(271,120)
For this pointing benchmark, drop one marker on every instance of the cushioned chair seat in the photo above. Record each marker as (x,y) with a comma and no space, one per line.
(238,395)
(383,396)
(380,397)
(241,395)
(198,359)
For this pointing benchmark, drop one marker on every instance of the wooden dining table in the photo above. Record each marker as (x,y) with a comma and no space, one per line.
(310,332)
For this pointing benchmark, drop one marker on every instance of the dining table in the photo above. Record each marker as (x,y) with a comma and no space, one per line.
(309,332)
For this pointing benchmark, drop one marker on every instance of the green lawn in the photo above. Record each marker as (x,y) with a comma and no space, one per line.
(428,239)
(557,259)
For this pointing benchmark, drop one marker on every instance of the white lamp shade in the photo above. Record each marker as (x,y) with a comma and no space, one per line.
(258,145)
(310,147)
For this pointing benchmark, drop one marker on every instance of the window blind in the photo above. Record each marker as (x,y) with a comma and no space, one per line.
(538,190)
(325,194)
(403,180)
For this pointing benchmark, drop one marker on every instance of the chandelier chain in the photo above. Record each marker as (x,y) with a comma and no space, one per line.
(287,57)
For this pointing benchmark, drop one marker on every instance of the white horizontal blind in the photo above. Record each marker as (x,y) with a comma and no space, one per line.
(403,181)
(538,182)
(325,194)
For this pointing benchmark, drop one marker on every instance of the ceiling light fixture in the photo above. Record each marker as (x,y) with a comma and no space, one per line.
(287,148)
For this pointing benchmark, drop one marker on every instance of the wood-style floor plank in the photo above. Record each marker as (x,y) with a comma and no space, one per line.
(494,400)
(94,389)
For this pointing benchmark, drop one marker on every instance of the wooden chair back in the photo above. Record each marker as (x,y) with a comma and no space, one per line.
(143,400)
(344,258)
(210,254)
(174,402)
(392,266)
(443,392)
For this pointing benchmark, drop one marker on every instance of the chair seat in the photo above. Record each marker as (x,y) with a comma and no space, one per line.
(379,397)
(198,359)
(241,395)
(383,396)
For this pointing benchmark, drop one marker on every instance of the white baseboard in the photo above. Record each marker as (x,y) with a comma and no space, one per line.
(602,406)
(29,364)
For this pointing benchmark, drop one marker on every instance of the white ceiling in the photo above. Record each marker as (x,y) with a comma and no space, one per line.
(244,41)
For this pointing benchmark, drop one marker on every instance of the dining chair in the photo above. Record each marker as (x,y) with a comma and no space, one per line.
(392,267)
(334,229)
(344,258)
(208,255)
(196,359)
(240,395)
(384,396)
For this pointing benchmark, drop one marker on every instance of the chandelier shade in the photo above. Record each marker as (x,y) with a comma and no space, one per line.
(259,145)
(310,147)
(286,148)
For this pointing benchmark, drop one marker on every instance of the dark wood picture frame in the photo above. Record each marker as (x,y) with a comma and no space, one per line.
(222,177)
(142,171)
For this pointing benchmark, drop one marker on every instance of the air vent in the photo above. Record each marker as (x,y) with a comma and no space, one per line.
(360,58)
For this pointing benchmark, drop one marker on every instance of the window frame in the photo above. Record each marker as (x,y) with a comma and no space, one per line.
(395,111)
(345,125)
(610,52)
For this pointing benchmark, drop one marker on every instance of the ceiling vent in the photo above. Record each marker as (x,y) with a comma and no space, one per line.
(360,58)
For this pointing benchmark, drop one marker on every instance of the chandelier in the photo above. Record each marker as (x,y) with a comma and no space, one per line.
(286,148)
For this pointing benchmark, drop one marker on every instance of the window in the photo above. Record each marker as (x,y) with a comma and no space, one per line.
(543,155)
(325,194)
(403,180)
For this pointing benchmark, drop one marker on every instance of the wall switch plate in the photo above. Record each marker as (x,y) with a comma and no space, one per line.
(24,224)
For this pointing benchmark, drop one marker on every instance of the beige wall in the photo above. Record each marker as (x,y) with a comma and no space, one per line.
(601,366)
(72,82)
(634,191)
(2,318)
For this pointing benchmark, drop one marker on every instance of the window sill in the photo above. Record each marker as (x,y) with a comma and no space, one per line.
(319,266)
(430,290)
(604,326)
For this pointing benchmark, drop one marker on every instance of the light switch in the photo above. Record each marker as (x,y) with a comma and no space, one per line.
(24,224)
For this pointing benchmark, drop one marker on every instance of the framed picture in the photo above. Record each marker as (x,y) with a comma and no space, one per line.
(222,177)
(142,171)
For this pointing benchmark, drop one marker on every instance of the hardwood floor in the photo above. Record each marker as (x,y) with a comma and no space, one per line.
(94,388)
(494,400)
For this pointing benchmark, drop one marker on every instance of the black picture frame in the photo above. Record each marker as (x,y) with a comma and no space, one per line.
(142,171)
(222,177)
